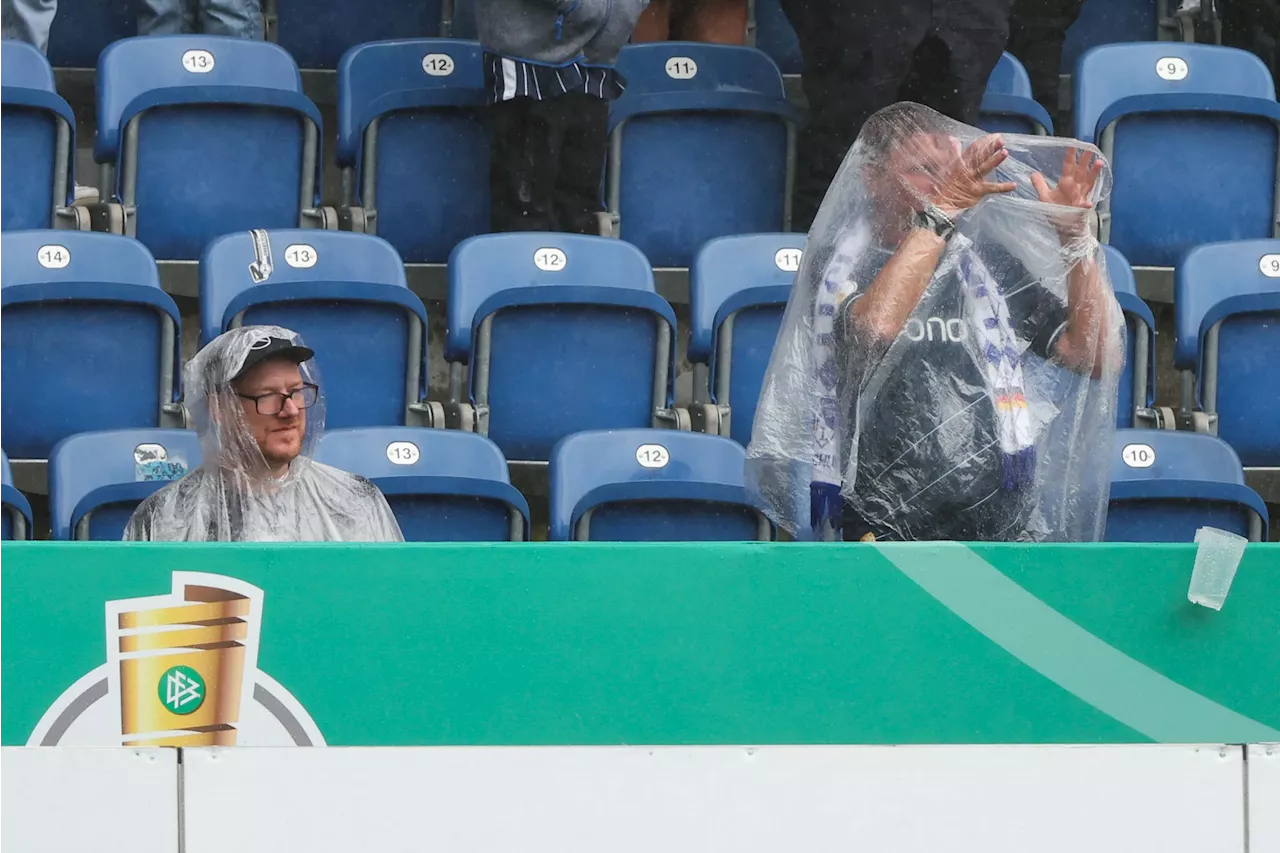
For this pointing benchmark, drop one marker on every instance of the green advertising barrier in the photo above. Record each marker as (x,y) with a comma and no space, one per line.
(633,644)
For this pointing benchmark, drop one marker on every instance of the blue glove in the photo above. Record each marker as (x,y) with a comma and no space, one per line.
(826,507)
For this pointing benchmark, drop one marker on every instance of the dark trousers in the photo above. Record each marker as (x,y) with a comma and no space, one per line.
(863,55)
(548,161)
(1037,31)
(1253,25)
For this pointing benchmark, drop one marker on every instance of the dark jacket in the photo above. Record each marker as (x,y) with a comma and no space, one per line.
(557,32)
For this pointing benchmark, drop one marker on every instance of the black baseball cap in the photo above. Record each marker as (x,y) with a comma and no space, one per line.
(268,347)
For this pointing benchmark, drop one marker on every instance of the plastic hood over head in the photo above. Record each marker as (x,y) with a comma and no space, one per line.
(963,389)
(236,494)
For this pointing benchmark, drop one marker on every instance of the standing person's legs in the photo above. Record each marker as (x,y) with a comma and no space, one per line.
(166,17)
(975,33)
(524,169)
(713,21)
(28,20)
(582,123)
(1037,30)
(654,23)
(237,18)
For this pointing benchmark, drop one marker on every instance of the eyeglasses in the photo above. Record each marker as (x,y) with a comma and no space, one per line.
(271,404)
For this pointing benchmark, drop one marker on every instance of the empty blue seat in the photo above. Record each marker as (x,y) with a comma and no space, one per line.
(90,341)
(413,128)
(443,485)
(1165,485)
(1227,314)
(738,289)
(317,32)
(563,333)
(346,295)
(1193,135)
(645,485)
(97,479)
(207,135)
(36,160)
(15,512)
(1138,378)
(82,28)
(1108,22)
(1008,106)
(700,145)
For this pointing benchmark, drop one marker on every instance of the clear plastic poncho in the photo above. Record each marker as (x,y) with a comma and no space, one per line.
(965,395)
(233,496)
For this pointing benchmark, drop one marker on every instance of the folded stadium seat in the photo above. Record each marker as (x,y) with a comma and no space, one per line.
(1137,389)
(202,136)
(398,100)
(775,36)
(443,485)
(37,159)
(346,295)
(1165,485)
(1227,316)
(1193,135)
(644,485)
(83,28)
(15,515)
(90,341)
(1008,105)
(317,32)
(738,289)
(97,479)
(563,333)
(702,146)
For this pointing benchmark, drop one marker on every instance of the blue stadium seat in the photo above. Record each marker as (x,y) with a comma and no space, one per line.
(90,341)
(15,514)
(1227,314)
(207,135)
(1193,135)
(443,485)
(645,485)
(82,28)
(317,32)
(346,295)
(775,36)
(738,289)
(702,156)
(1008,105)
(1108,22)
(36,160)
(97,479)
(413,126)
(1138,379)
(1165,485)
(563,333)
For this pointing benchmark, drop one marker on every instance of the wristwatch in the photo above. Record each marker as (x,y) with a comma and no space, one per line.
(933,219)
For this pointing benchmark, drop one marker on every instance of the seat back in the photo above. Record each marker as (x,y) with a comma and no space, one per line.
(90,341)
(39,135)
(700,147)
(1165,485)
(209,134)
(15,512)
(644,485)
(738,290)
(776,37)
(1227,313)
(83,28)
(97,479)
(1137,378)
(1008,106)
(443,485)
(563,333)
(345,294)
(1107,22)
(397,100)
(318,32)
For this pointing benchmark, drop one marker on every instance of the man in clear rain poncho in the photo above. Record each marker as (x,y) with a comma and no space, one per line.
(948,363)
(258,404)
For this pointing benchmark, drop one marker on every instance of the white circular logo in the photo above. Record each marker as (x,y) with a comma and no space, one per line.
(1138,455)
(260,343)
(681,68)
(144,453)
(652,456)
(53,256)
(198,61)
(403,453)
(438,64)
(788,260)
(1270,266)
(300,256)
(1172,68)
(550,260)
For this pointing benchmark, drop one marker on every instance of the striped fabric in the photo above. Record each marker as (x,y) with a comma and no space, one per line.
(512,78)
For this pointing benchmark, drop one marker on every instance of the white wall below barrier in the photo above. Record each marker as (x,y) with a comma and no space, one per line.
(1264,798)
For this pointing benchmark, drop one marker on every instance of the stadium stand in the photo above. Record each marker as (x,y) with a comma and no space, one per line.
(97,479)
(90,341)
(346,295)
(1165,485)
(1008,105)
(1137,388)
(442,485)
(562,332)
(1181,122)
(1227,314)
(701,146)
(318,32)
(37,160)
(202,136)
(396,100)
(738,288)
(643,485)
(83,28)
(15,512)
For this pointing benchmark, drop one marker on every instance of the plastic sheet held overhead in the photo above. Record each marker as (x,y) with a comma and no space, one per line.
(934,386)
(241,494)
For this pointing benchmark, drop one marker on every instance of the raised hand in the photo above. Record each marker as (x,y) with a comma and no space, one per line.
(1081,169)
(964,179)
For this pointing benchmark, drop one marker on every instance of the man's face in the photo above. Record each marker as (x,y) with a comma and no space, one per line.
(914,168)
(279,436)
